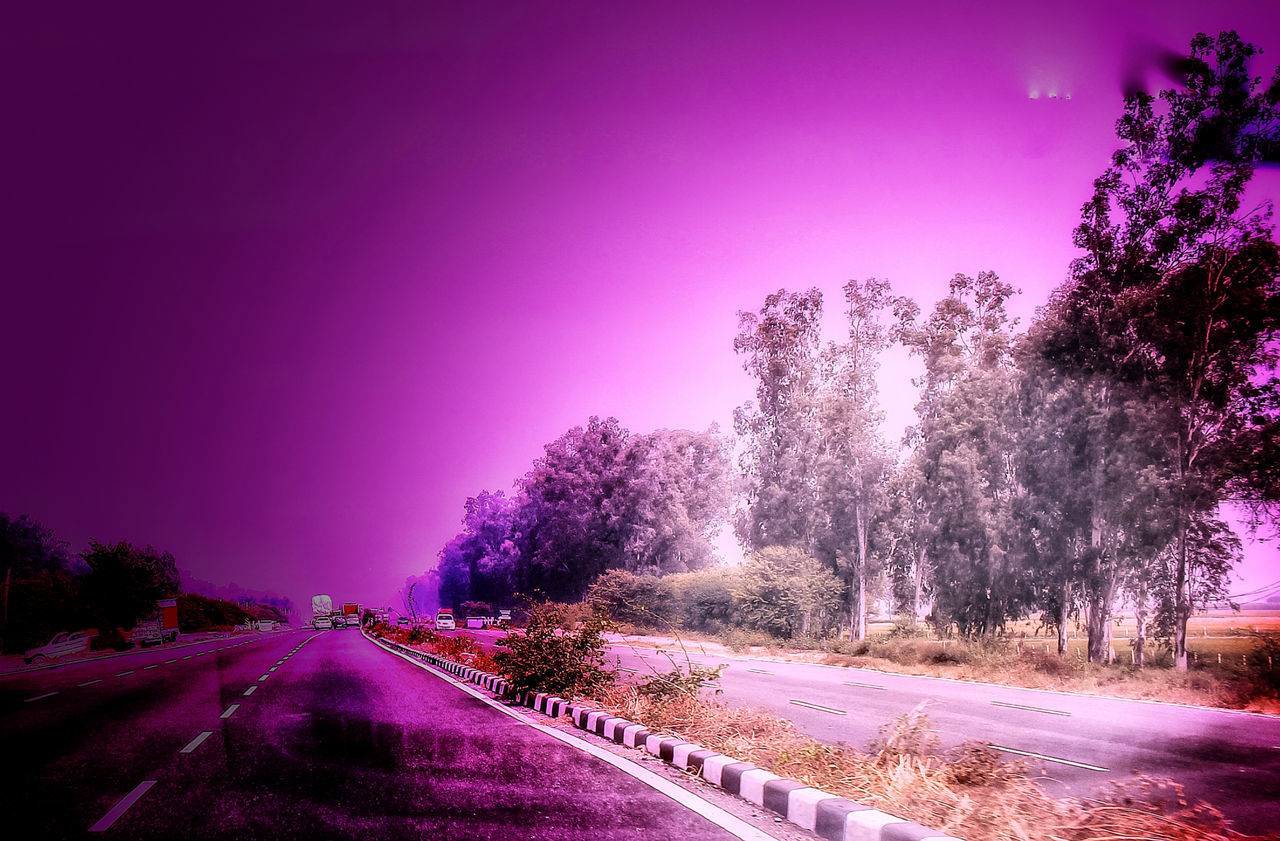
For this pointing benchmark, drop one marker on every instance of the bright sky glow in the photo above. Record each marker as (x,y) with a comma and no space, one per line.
(281,289)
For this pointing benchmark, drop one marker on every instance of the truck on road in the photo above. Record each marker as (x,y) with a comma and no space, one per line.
(351,614)
(160,627)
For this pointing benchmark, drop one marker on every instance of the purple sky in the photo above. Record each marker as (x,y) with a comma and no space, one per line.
(283,286)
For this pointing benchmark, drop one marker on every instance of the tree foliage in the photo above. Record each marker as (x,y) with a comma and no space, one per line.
(124,582)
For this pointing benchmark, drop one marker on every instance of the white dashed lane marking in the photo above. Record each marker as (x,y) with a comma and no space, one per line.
(1029,709)
(1056,759)
(152,666)
(40,697)
(263,677)
(250,690)
(122,674)
(229,711)
(123,806)
(195,743)
(864,685)
(89,682)
(818,707)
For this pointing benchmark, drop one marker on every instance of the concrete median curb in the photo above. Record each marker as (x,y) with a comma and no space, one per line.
(832,818)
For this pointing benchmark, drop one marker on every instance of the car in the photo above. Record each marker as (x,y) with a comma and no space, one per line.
(322,623)
(62,644)
(403,620)
(444,622)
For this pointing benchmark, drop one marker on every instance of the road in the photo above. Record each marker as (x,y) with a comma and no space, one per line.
(298,735)
(1081,743)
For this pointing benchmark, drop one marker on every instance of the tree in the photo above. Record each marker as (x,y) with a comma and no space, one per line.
(786,593)
(40,587)
(853,462)
(674,499)
(29,549)
(1187,284)
(964,442)
(571,521)
(124,582)
(780,347)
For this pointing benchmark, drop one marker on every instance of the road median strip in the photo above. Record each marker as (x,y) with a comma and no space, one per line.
(832,818)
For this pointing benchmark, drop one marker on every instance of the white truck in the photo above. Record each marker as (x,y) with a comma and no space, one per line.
(321,613)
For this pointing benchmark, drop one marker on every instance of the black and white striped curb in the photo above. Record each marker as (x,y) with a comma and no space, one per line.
(833,818)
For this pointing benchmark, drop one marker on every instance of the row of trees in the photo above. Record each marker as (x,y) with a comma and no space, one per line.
(1082,462)
(48,589)
(600,498)
(1058,471)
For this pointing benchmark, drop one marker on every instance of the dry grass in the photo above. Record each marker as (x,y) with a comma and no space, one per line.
(968,793)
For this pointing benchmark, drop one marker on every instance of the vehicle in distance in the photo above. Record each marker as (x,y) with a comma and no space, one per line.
(444,622)
(62,644)
(322,623)
(160,627)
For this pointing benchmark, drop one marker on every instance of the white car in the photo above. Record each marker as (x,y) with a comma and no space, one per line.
(444,622)
(62,644)
(322,623)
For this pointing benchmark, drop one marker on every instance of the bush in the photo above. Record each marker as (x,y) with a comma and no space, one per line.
(849,648)
(740,640)
(112,638)
(642,600)
(556,653)
(704,599)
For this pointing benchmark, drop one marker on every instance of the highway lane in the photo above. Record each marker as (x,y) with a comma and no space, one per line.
(299,735)
(1079,743)
(86,731)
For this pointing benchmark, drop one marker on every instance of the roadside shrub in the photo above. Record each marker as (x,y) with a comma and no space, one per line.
(110,638)
(1047,662)
(688,681)
(906,627)
(556,653)
(850,648)
(740,640)
(642,600)
(1264,663)
(704,599)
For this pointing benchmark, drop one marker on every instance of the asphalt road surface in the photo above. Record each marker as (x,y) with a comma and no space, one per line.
(1080,743)
(298,735)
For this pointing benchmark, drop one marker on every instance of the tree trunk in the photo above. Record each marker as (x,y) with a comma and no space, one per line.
(918,595)
(1182,596)
(1140,617)
(858,592)
(1064,613)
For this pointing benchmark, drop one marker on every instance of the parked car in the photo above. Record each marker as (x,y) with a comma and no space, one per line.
(62,644)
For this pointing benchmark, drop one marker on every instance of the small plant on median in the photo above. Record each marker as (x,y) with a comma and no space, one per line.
(555,654)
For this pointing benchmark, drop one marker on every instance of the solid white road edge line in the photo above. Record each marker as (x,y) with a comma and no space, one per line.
(1058,760)
(123,806)
(734,826)
(195,743)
